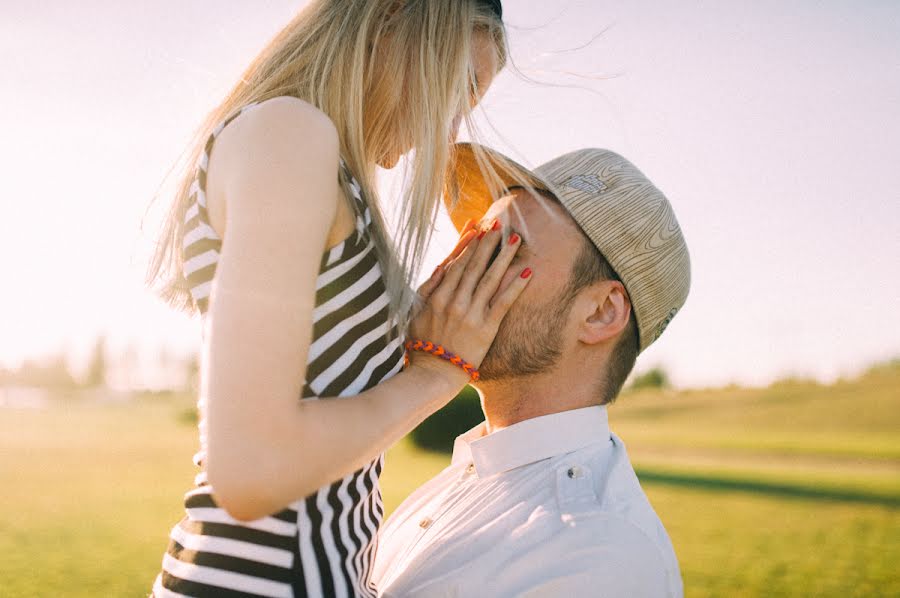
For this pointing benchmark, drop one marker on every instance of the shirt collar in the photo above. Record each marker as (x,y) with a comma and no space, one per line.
(530,441)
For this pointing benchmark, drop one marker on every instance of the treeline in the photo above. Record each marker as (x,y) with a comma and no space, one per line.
(51,373)
(104,369)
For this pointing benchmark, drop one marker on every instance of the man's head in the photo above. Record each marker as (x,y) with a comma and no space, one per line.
(611,266)
(575,300)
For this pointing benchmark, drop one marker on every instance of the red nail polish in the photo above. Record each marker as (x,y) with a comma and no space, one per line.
(513,239)
(482,234)
(526,273)
(496,225)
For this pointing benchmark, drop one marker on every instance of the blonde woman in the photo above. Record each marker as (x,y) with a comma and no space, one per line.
(276,237)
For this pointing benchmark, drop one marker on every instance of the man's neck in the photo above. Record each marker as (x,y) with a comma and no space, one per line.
(510,401)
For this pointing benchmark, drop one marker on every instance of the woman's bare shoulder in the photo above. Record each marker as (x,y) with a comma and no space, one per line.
(283,123)
(293,115)
(283,141)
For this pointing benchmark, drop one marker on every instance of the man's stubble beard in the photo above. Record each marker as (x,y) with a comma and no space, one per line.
(529,340)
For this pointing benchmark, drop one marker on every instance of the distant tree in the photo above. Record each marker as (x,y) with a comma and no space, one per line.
(96,371)
(51,373)
(438,432)
(654,378)
(891,366)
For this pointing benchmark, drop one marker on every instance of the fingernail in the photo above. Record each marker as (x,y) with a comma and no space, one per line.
(436,270)
(513,239)
(482,234)
(469,224)
(496,225)
(526,273)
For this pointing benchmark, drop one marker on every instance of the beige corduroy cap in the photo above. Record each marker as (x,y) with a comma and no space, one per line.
(628,219)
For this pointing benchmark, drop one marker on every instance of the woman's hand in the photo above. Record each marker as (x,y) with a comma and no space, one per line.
(463,302)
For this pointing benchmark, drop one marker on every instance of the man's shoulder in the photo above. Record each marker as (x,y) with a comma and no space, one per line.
(614,521)
(603,552)
(602,530)
(601,478)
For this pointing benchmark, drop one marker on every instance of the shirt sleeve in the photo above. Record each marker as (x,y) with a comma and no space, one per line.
(598,557)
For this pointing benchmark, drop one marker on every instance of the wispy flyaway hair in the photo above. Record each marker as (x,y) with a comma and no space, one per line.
(389,73)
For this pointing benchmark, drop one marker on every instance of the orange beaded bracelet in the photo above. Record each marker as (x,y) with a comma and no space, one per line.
(439,351)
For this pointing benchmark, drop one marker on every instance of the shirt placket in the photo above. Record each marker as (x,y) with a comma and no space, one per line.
(454,495)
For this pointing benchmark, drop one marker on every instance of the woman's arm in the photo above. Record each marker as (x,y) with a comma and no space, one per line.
(274,169)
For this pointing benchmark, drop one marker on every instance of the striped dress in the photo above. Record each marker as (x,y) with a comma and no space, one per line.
(324,544)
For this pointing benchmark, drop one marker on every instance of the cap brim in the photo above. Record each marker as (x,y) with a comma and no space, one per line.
(467,193)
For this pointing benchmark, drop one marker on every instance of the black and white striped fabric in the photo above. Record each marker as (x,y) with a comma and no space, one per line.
(322,545)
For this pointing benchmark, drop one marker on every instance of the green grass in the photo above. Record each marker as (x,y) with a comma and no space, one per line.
(791,490)
(850,420)
(89,494)
(748,544)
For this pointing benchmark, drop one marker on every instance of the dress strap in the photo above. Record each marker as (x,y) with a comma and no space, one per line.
(357,201)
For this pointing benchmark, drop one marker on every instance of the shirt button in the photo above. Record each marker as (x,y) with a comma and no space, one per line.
(470,468)
(575,472)
(425,523)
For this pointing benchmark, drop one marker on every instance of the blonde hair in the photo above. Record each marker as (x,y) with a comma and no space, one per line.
(389,74)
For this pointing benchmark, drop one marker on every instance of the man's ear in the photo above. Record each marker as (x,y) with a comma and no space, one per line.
(608,312)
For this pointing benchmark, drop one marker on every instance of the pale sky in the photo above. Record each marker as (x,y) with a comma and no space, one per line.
(773,127)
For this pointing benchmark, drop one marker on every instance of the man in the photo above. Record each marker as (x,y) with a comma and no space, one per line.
(541,499)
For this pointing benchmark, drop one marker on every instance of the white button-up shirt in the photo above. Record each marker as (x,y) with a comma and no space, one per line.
(547,507)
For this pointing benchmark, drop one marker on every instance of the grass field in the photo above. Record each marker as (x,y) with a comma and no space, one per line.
(793,490)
